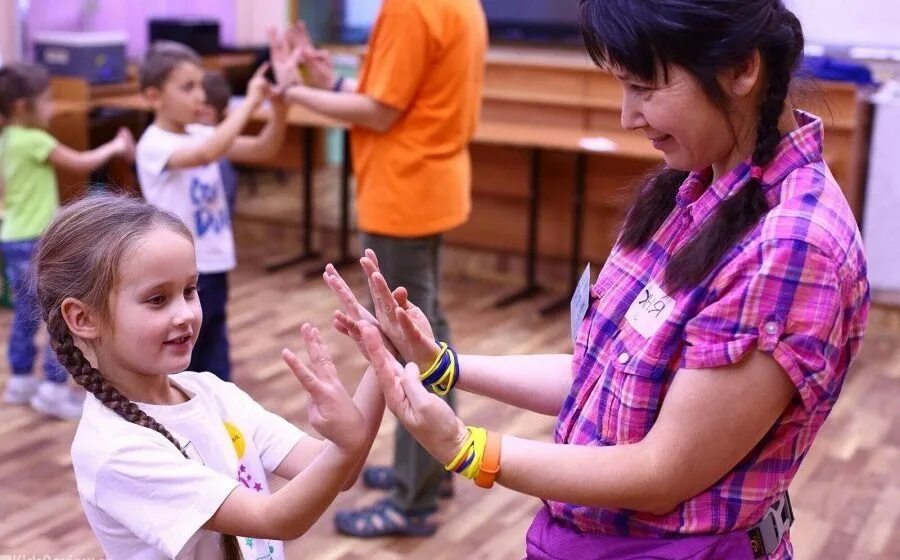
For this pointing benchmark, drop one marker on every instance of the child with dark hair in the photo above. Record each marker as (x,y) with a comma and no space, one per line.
(715,341)
(172,463)
(178,169)
(29,158)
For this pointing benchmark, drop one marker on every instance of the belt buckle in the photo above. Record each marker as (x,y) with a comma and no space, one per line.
(766,535)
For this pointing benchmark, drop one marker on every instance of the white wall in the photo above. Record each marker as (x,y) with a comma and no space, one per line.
(10,43)
(254,17)
(863,23)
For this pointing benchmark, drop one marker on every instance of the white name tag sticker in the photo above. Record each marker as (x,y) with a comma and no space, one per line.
(580,301)
(649,311)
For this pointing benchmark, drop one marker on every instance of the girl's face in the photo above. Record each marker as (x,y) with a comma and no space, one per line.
(36,112)
(680,120)
(154,310)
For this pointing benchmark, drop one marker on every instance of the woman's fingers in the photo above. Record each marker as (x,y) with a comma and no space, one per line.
(342,291)
(411,331)
(415,392)
(385,370)
(382,298)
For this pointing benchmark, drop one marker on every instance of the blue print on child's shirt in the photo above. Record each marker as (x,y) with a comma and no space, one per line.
(210,214)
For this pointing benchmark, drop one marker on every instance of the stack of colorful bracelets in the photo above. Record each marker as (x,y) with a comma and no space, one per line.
(479,457)
(441,377)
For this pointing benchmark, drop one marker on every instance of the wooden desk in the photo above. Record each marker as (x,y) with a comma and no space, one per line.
(224,62)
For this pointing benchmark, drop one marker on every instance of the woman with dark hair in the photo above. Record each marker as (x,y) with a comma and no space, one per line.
(715,340)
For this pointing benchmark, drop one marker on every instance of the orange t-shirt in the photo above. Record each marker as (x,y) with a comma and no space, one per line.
(425,58)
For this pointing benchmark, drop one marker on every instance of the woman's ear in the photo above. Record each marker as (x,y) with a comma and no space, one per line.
(743,79)
(82,321)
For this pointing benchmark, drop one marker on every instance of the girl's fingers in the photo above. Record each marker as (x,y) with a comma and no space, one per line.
(351,326)
(305,375)
(318,353)
(261,70)
(339,327)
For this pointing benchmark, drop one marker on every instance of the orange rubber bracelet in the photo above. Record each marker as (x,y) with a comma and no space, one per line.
(490,464)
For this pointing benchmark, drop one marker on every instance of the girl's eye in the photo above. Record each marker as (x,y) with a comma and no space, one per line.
(190,292)
(156,300)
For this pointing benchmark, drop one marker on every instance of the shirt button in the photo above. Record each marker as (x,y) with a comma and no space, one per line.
(623,358)
(771,327)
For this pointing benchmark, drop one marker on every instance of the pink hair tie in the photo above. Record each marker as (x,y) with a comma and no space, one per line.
(756,172)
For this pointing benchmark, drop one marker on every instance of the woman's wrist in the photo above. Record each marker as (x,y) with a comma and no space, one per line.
(455,444)
(427,357)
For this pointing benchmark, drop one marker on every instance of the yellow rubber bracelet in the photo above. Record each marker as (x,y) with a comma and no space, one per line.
(462,451)
(472,451)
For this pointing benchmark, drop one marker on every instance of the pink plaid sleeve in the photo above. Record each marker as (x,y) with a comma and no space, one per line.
(783,297)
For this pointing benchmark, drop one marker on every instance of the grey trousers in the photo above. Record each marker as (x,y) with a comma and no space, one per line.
(414,263)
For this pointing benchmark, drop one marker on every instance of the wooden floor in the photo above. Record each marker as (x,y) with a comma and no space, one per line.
(846,496)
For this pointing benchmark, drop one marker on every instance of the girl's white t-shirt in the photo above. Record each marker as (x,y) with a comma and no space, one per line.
(145,501)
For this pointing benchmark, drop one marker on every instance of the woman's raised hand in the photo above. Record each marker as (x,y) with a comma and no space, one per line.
(425,415)
(404,324)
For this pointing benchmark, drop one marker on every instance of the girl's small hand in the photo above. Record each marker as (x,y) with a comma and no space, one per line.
(403,323)
(258,87)
(332,412)
(125,142)
(425,415)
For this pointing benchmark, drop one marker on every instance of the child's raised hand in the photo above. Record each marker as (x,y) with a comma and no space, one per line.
(403,323)
(332,412)
(258,87)
(425,415)
(125,144)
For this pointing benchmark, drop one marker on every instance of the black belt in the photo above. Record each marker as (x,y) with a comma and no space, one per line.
(766,535)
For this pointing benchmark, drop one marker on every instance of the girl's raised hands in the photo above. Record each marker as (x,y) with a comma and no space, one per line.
(332,412)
